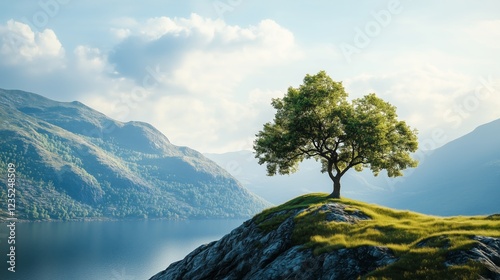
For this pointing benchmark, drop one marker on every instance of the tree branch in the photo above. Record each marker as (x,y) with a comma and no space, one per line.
(310,152)
(293,157)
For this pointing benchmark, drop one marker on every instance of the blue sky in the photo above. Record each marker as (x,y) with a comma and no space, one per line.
(204,72)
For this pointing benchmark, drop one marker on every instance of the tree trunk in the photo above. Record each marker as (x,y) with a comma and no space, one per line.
(335,179)
(336,188)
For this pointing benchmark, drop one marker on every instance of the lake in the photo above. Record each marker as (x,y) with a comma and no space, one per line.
(116,250)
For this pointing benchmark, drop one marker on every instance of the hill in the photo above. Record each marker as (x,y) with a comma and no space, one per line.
(459,178)
(73,162)
(316,237)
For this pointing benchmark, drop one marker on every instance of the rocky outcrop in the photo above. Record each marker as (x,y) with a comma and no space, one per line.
(252,251)
(486,251)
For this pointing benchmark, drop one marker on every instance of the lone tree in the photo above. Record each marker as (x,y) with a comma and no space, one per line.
(316,121)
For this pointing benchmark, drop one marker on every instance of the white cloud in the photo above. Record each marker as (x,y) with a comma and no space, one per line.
(157,27)
(122,27)
(197,98)
(429,99)
(208,84)
(424,91)
(202,54)
(219,70)
(485,32)
(208,124)
(90,59)
(20,45)
(120,33)
(190,77)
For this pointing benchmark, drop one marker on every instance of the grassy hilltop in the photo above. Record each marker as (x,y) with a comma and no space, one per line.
(420,242)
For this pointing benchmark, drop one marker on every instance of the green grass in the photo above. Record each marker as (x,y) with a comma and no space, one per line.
(403,232)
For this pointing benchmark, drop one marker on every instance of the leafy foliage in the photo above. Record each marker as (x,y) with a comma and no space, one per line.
(316,121)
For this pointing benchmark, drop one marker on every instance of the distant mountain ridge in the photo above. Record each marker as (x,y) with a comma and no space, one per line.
(460,178)
(280,188)
(74,162)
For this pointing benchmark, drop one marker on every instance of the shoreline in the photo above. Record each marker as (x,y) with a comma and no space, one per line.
(4,221)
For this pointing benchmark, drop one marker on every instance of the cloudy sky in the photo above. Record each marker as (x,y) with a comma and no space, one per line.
(204,72)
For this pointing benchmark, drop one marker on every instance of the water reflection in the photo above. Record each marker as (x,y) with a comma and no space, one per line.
(105,250)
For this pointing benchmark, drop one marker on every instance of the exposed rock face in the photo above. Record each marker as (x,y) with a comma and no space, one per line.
(249,252)
(487,251)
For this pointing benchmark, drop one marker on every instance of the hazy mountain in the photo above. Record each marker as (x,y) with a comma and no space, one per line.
(74,162)
(459,178)
(280,188)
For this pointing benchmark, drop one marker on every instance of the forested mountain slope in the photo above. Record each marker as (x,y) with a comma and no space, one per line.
(74,162)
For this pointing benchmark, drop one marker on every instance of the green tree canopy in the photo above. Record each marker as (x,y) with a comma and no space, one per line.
(317,121)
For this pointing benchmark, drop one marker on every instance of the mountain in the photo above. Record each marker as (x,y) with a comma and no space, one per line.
(74,162)
(459,178)
(280,188)
(316,237)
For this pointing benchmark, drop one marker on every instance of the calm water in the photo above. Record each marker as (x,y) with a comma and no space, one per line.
(123,250)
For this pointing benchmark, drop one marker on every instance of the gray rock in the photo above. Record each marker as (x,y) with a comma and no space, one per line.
(336,212)
(251,253)
(486,251)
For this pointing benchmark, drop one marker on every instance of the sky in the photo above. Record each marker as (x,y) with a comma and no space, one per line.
(204,72)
